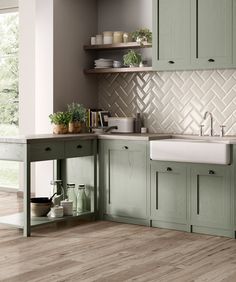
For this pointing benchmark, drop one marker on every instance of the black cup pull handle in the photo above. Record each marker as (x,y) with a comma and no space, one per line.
(211,172)
(169,169)
(48,149)
(125,147)
(171,62)
(79,146)
(211,60)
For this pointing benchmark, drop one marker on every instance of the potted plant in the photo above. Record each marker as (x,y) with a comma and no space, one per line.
(132,59)
(60,121)
(142,35)
(78,115)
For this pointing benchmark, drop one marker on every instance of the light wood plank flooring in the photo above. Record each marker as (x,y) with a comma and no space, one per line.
(106,251)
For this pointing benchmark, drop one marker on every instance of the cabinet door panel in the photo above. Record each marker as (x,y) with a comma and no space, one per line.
(212,33)
(171,28)
(168,192)
(126,179)
(210,196)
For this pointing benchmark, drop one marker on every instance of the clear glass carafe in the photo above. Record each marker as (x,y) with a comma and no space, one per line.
(59,190)
(71,194)
(81,199)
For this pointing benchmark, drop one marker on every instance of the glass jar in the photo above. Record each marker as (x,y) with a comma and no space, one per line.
(81,199)
(71,194)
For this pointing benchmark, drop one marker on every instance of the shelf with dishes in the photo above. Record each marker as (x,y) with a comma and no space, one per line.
(117,70)
(117,46)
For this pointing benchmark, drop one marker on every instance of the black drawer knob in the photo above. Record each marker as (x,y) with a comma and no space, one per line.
(48,149)
(79,146)
(169,169)
(125,147)
(171,62)
(211,172)
(211,60)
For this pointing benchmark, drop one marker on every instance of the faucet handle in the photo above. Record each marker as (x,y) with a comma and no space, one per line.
(222,130)
(201,129)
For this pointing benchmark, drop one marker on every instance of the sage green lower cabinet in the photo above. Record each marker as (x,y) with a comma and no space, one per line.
(123,180)
(169,195)
(211,196)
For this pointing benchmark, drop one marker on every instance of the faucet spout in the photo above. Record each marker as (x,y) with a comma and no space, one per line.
(110,128)
(207,113)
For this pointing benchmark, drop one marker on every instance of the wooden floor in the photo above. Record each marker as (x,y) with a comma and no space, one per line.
(105,251)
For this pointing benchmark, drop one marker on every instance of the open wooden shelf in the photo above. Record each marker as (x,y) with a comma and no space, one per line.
(117,70)
(133,45)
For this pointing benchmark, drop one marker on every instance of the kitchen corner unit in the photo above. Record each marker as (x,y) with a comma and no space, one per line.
(42,148)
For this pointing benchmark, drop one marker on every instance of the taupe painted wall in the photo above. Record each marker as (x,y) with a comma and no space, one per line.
(74,22)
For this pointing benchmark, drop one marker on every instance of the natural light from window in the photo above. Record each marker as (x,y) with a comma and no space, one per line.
(9,91)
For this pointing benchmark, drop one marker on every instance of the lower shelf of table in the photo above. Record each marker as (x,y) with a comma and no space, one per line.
(17,219)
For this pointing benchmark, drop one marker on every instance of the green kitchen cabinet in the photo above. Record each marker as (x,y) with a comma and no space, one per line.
(211,33)
(171,34)
(211,199)
(234,33)
(169,195)
(123,180)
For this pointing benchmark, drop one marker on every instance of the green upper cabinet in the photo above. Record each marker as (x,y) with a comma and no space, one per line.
(211,33)
(171,29)
(234,33)
(123,178)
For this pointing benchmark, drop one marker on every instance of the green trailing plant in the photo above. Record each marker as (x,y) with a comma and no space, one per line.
(77,112)
(142,35)
(60,118)
(132,58)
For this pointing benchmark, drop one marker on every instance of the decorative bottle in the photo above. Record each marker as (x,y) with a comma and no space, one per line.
(81,199)
(71,194)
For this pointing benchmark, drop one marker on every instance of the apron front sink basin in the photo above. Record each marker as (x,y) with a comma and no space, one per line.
(188,150)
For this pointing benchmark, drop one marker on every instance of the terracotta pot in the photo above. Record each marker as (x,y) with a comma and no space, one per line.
(75,127)
(60,129)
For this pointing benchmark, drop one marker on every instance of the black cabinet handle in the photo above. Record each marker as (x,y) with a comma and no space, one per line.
(79,146)
(169,169)
(125,147)
(48,149)
(211,60)
(211,172)
(171,62)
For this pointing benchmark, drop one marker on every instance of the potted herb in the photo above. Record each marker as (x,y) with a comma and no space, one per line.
(78,115)
(142,35)
(132,59)
(60,121)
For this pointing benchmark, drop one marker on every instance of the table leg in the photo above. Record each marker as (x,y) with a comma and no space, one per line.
(95,178)
(27,177)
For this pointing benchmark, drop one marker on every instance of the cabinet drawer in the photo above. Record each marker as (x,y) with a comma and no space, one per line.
(79,148)
(46,151)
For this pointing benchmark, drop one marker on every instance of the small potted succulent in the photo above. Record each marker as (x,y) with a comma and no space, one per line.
(132,59)
(60,121)
(78,115)
(142,35)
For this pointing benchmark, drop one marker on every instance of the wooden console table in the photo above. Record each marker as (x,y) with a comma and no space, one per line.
(42,148)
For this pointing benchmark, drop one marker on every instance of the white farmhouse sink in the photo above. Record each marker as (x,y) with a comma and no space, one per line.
(193,151)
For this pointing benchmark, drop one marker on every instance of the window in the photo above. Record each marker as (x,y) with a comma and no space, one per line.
(9,91)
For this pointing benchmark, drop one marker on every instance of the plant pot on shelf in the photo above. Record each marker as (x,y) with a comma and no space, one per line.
(60,129)
(75,127)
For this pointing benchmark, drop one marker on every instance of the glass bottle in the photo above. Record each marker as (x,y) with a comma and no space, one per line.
(88,196)
(81,199)
(138,123)
(71,194)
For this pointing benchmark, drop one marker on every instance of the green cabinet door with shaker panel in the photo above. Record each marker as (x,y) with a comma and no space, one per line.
(212,33)
(171,29)
(169,195)
(123,180)
(211,197)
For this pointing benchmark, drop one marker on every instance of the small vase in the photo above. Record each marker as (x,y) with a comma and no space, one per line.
(75,127)
(60,129)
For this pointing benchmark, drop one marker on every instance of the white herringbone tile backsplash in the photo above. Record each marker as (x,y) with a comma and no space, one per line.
(173,102)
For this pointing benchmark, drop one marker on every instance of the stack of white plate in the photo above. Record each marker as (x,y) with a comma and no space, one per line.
(103,63)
